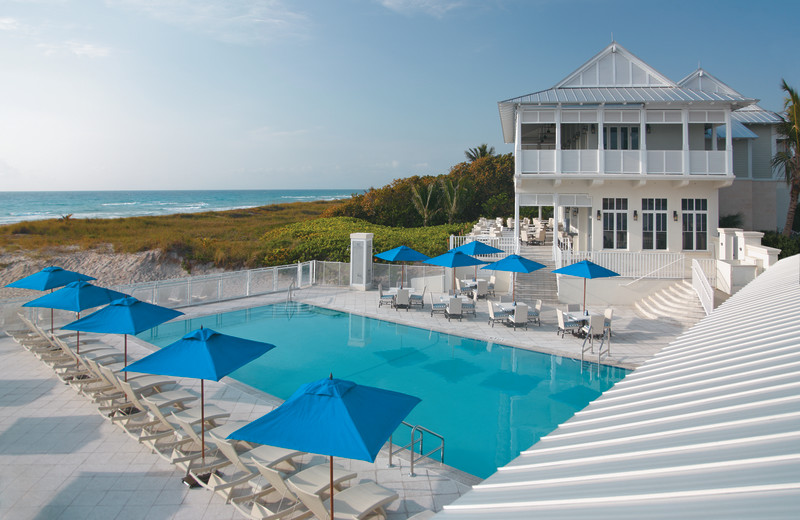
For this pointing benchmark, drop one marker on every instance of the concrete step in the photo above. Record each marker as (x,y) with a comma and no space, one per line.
(677,302)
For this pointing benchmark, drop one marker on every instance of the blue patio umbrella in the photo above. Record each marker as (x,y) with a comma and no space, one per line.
(514,264)
(332,417)
(585,269)
(454,259)
(124,316)
(402,254)
(76,297)
(476,247)
(201,354)
(48,279)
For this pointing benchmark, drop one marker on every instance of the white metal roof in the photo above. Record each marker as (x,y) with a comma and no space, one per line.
(755,114)
(709,428)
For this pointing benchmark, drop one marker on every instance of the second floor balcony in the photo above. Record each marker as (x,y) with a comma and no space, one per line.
(629,142)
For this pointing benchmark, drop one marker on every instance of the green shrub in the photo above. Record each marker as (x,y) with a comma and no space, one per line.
(789,246)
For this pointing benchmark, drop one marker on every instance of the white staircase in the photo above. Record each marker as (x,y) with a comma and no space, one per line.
(679,303)
(541,284)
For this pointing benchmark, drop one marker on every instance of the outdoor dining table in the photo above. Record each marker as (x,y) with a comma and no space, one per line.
(470,283)
(507,308)
(393,290)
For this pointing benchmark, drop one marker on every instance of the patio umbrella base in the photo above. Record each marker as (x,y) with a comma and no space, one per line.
(190,481)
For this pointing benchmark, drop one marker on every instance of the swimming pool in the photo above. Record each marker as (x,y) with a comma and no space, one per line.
(489,401)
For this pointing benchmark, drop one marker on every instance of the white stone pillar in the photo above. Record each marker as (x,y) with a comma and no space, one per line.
(361,261)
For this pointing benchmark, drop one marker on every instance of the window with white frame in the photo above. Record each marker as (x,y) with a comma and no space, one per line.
(621,137)
(615,223)
(654,223)
(695,224)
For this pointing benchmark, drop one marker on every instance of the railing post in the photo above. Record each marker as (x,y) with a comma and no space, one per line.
(247,284)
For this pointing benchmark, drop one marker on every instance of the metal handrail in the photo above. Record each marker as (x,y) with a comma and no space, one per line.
(289,292)
(679,260)
(702,287)
(410,446)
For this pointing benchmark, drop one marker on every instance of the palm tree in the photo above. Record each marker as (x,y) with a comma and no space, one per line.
(453,195)
(483,150)
(788,159)
(423,204)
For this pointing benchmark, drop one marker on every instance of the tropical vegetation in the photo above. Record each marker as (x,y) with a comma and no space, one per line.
(787,160)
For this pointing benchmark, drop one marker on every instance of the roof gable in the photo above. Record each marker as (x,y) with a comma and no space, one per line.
(705,82)
(615,66)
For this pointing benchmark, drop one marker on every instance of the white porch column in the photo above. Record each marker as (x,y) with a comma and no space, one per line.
(601,156)
(518,142)
(728,144)
(685,130)
(558,140)
(643,141)
(516,222)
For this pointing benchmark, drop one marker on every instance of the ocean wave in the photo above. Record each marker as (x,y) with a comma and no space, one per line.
(119,203)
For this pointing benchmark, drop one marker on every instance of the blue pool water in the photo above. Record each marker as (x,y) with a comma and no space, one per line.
(489,401)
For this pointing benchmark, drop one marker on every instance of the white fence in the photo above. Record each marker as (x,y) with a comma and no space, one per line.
(194,290)
(628,264)
(506,243)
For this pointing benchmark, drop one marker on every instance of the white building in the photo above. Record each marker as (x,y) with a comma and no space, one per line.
(633,162)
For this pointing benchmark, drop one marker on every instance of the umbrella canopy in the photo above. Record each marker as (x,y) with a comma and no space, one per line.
(477,247)
(585,269)
(332,417)
(201,354)
(49,278)
(514,264)
(76,297)
(402,254)
(124,316)
(454,259)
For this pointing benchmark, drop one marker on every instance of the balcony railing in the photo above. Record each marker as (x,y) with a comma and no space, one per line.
(659,162)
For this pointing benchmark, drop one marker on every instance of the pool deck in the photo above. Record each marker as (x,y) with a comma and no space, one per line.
(59,459)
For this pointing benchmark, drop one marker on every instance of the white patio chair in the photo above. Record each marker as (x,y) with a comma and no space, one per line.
(401,301)
(566,326)
(493,317)
(608,315)
(437,307)
(536,313)
(418,299)
(490,285)
(453,309)
(482,290)
(384,299)
(520,316)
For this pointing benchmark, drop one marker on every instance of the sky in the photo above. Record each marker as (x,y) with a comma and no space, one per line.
(280,94)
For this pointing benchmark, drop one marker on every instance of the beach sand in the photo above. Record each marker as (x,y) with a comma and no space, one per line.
(108,267)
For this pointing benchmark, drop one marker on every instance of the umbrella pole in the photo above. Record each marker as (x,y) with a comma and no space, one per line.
(514,288)
(584,295)
(78,338)
(52,327)
(126,356)
(331,464)
(203,420)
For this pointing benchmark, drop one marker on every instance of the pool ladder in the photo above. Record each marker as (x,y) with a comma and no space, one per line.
(414,441)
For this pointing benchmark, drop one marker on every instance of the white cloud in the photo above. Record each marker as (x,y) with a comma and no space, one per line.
(9,24)
(74,47)
(244,22)
(437,8)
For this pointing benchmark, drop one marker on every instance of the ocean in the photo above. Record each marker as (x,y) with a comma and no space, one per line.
(19,206)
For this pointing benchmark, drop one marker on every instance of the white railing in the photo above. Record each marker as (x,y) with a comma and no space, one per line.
(707,162)
(702,287)
(538,161)
(506,243)
(623,161)
(665,161)
(629,264)
(194,290)
(579,161)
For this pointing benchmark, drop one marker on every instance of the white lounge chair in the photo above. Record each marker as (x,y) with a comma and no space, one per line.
(520,316)
(482,290)
(353,503)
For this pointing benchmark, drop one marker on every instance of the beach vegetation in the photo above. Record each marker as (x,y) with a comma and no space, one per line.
(484,150)
(227,239)
(329,239)
(424,199)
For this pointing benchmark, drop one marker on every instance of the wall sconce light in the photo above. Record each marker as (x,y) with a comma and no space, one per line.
(598,214)
(635,216)
(675,216)
(594,129)
(647,128)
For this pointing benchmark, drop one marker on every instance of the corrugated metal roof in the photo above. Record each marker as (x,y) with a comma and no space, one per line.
(709,428)
(619,95)
(739,131)
(755,114)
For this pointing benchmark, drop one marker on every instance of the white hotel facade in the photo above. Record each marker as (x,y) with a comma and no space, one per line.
(634,162)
